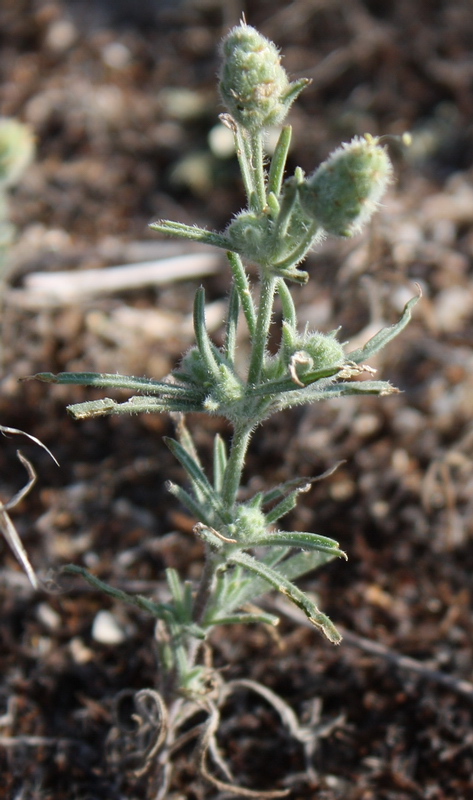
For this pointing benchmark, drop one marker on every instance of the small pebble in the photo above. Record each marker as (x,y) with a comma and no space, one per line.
(116,55)
(79,652)
(106,630)
(48,616)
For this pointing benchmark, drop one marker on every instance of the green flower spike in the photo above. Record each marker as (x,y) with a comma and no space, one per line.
(345,190)
(254,86)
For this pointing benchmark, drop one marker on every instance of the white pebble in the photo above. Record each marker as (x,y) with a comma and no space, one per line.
(106,630)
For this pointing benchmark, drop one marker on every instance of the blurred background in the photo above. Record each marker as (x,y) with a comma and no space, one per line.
(121,97)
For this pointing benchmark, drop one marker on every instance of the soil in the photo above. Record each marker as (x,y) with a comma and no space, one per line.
(121,97)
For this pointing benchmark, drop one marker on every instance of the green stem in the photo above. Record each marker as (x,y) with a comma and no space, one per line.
(242,285)
(256,144)
(235,464)
(265,310)
(204,590)
(245,162)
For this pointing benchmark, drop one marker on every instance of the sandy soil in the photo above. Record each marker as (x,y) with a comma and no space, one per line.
(121,97)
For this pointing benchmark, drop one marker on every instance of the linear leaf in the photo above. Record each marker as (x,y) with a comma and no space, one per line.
(280,385)
(104,380)
(287,304)
(242,286)
(219,462)
(194,233)
(135,405)
(284,507)
(184,437)
(380,339)
(308,541)
(204,344)
(298,485)
(247,619)
(232,324)
(201,486)
(159,610)
(188,502)
(278,160)
(342,389)
(286,588)
(304,562)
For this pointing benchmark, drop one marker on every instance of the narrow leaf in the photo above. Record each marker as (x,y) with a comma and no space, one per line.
(242,286)
(105,380)
(159,610)
(192,505)
(304,562)
(136,405)
(281,490)
(287,304)
(219,462)
(201,486)
(175,586)
(284,507)
(181,597)
(286,588)
(278,161)
(232,325)
(184,437)
(246,619)
(281,385)
(307,541)
(202,338)
(314,394)
(193,233)
(380,339)
(300,485)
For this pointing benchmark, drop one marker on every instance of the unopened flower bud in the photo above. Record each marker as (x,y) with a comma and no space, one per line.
(254,86)
(250,523)
(324,349)
(345,190)
(311,350)
(248,234)
(16,150)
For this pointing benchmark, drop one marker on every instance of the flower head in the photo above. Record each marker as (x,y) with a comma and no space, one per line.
(254,86)
(345,190)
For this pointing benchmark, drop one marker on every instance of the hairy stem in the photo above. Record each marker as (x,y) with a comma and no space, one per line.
(263,322)
(256,144)
(244,160)
(235,464)
(204,589)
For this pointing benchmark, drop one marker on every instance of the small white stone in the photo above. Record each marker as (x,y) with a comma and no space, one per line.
(106,630)
(48,616)
(79,652)
(116,55)
(221,142)
(61,35)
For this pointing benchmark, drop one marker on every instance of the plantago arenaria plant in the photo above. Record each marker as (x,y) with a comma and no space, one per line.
(247,553)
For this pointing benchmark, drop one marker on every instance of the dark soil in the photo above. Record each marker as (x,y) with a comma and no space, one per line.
(105,87)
